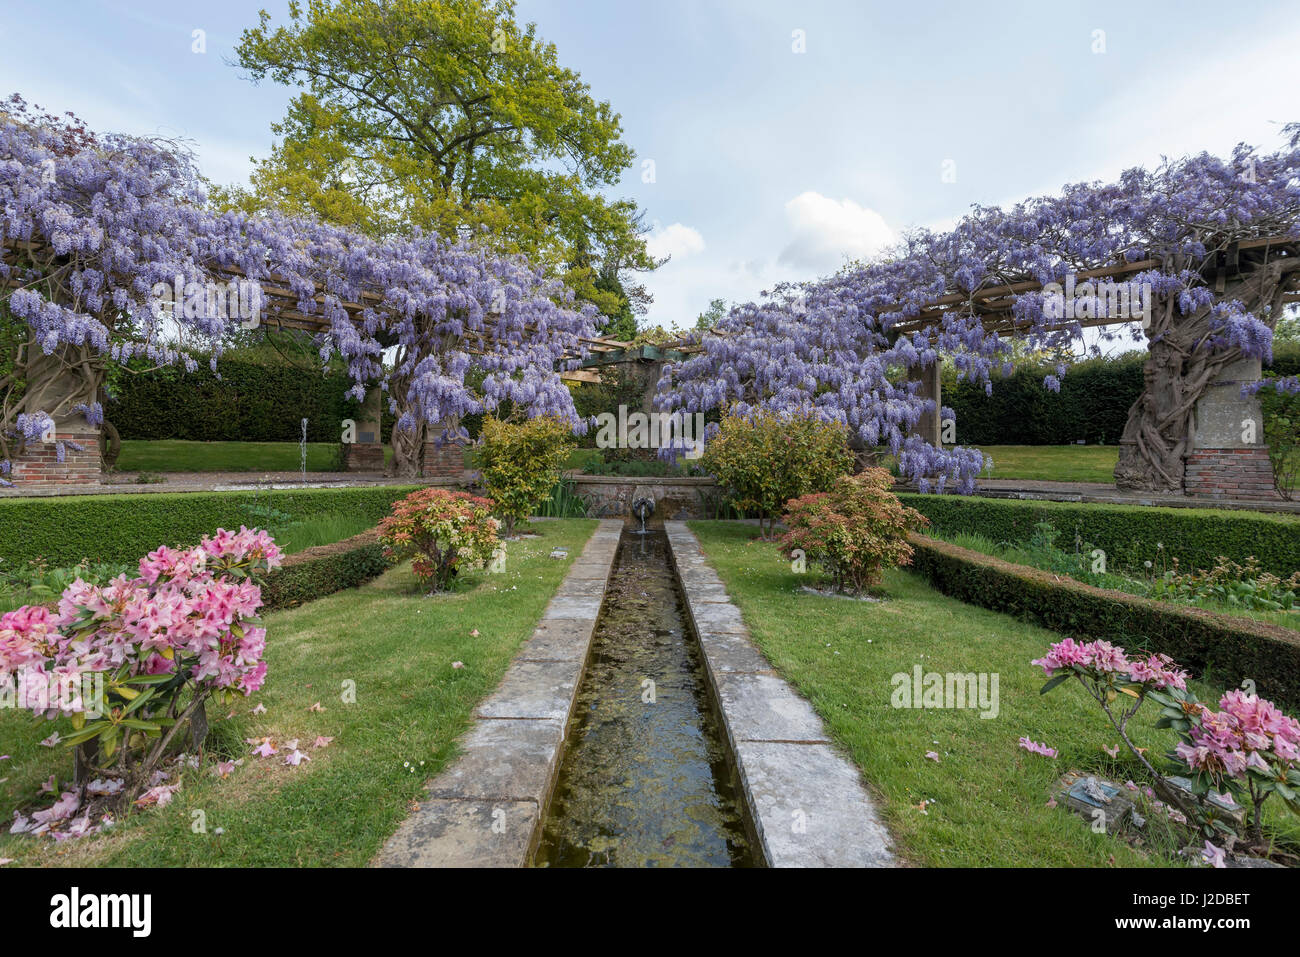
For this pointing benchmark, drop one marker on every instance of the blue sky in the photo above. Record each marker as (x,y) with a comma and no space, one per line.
(769,164)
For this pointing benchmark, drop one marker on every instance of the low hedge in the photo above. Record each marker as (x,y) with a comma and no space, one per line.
(1232,648)
(1128,534)
(122,528)
(323,570)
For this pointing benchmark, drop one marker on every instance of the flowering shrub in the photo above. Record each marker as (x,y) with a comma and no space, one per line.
(521,464)
(854,531)
(441,532)
(131,662)
(763,460)
(1248,748)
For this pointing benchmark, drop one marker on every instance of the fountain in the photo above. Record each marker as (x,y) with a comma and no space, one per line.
(643,508)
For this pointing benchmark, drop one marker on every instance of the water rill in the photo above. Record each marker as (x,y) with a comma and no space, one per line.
(646,778)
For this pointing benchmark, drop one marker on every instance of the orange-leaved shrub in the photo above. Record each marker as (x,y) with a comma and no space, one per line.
(854,531)
(441,532)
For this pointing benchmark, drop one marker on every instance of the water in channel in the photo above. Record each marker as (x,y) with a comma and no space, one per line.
(645,783)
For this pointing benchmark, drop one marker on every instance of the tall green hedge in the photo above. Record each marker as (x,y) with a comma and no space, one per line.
(248,398)
(123,528)
(1129,534)
(1231,649)
(1093,403)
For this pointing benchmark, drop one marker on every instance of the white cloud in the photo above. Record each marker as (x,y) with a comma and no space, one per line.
(826,231)
(676,240)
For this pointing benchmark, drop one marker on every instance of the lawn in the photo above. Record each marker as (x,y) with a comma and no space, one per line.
(398,647)
(990,796)
(1053,463)
(174,455)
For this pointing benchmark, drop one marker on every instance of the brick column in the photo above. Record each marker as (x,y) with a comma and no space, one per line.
(1228,457)
(366,453)
(38,468)
(446,461)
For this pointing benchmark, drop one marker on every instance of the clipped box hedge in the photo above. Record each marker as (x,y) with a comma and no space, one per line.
(123,528)
(1128,534)
(323,570)
(1232,649)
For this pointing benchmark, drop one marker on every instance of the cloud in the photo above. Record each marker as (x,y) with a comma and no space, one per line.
(827,230)
(676,240)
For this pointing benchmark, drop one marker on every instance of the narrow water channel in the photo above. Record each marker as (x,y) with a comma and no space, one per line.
(646,779)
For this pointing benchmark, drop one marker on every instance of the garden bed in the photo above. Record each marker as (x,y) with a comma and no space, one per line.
(985,801)
(386,640)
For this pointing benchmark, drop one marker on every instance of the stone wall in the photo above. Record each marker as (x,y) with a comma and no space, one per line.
(611,496)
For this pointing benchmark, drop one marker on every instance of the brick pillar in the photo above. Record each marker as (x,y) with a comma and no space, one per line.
(1228,457)
(366,452)
(446,461)
(929,426)
(38,467)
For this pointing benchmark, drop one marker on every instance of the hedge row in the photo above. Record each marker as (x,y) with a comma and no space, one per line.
(1231,648)
(323,570)
(122,528)
(1128,534)
(247,399)
(1093,403)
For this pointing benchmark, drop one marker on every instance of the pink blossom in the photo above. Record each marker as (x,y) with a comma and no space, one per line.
(1033,747)
(296,757)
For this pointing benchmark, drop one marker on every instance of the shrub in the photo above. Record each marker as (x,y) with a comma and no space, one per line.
(764,460)
(64,530)
(1282,435)
(441,532)
(132,662)
(1129,534)
(1249,748)
(854,531)
(1235,648)
(324,570)
(521,464)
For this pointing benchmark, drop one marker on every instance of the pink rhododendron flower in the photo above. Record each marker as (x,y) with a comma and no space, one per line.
(1213,855)
(296,757)
(322,742)
(265,749)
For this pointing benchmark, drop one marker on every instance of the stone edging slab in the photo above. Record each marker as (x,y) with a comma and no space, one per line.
(486,808)
(808,803)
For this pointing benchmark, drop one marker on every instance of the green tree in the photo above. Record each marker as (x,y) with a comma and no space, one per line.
(711,316)
(446,115)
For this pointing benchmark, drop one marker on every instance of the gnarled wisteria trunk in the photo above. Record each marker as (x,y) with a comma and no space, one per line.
(1159,431)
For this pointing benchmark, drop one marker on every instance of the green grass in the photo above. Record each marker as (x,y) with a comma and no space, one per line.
(990,794)
(323,530)
(174,455)
(1052,463)
(411,706)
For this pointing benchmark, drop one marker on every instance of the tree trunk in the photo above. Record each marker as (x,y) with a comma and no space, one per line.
(1158,433)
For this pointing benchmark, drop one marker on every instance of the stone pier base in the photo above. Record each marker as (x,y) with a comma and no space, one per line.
(363,457)
(447,461)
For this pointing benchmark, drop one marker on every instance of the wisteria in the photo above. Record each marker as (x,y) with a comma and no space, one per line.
(95,226)
(841,347)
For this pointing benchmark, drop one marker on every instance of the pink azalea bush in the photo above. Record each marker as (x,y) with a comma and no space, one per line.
(1248,748)
(142,655)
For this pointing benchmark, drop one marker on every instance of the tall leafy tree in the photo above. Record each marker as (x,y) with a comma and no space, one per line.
(448,116)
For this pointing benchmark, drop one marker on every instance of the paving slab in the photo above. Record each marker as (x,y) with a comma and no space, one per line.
(456,833)
(580,606)
(534,689)
(724,653)
(716,616)
(762,707)
(810,807)
(559,639)
(503,761)
(581,588)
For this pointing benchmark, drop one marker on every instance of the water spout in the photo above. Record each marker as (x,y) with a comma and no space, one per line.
(643,508)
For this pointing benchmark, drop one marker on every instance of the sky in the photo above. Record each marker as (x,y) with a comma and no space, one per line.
(774,139)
